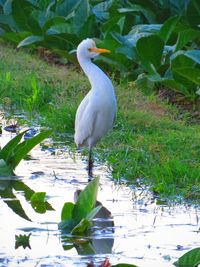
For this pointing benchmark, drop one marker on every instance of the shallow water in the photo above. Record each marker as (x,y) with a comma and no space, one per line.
(144,233)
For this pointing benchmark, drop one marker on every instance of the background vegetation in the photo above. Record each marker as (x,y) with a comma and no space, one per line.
(154,43)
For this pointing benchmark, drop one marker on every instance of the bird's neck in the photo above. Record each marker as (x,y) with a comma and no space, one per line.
(93,72)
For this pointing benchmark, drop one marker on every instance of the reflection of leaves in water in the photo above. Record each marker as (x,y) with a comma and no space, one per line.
(6,193)
(22,241)
(13,203)
(77,219)
(39,204)
(82,245)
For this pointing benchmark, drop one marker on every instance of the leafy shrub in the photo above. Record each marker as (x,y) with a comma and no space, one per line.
(156,41)
(14,151)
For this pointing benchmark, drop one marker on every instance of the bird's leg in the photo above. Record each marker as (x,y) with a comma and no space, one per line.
(90,164)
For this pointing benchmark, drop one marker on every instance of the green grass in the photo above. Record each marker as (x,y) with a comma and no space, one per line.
(149,141)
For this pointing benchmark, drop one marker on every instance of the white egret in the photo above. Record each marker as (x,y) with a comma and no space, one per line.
(96,113)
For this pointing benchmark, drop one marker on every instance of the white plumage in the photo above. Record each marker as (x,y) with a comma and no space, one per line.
(95,114)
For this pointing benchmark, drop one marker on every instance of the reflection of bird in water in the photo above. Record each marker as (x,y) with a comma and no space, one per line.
(96,113)
(102,229)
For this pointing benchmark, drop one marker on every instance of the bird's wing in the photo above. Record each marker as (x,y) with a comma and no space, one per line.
(85,119)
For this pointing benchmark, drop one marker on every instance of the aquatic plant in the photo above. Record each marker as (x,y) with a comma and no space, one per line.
(190,258)
(15,150)
(76,218)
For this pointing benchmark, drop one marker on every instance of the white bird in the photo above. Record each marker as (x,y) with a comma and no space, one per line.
(96,113)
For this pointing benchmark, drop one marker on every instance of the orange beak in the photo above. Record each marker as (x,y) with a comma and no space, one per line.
(99,50)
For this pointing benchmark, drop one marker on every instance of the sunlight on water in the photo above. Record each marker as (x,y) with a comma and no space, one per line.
(144,233)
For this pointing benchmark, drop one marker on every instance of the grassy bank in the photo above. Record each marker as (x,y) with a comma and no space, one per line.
(149,140)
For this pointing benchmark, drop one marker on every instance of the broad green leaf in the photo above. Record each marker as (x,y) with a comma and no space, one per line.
(193,13)
(192,74)
(93,213)
(64,8)
(90,28)
(194,55)
(21,11)
(8,150)
(142,28)
(168,27)
(180,59)
(129,52)
(144,84)
(67,211)
(5,170)
(31,40)
(60,28)
(150,50)
(189,259)
(139,9)
(175,85)
(137,32)
(111,25)
(40,16)
(81,15)
(101,10)
(15,37)
(34,25)
(186,71)
(25,147)
(177,7)
(86,201)
(81,227)
(53,21)
(66,226)
(185,37)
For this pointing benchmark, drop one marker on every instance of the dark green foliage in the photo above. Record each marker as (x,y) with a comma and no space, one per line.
(22,240)
(14,151)
(144,36)
(189,259)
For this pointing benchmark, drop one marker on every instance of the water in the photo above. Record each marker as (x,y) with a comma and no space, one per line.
(144,233)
